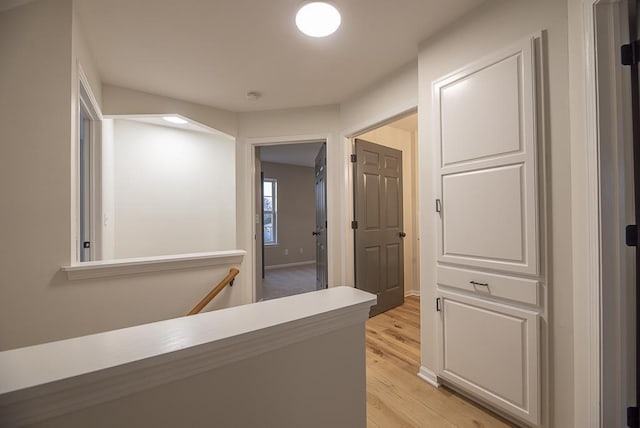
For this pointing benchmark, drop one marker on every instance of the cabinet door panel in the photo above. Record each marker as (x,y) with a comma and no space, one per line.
(492,350)
(487,169)
(483,214)
(489,104)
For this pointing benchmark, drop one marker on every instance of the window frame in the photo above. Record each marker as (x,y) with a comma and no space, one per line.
(273,212)
(88,187)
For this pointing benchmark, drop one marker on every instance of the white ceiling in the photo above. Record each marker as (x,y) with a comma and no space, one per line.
(213,52)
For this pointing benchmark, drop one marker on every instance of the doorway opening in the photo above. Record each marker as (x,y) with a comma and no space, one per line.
(290,211)
(385,205)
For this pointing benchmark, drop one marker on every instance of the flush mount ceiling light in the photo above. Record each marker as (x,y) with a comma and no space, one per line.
(318,19)
(175,119)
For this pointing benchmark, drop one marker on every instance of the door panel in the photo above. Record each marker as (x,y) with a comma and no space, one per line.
(372,208)
(488,174)
(321,219)
(393,200)
(492,350)
(379,251)
(496,130)
(484,214)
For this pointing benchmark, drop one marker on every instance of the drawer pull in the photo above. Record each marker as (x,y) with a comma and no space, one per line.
(483,284)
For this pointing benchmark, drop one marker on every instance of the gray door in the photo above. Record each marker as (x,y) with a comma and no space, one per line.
(259,220)
(321,219)
(379,250)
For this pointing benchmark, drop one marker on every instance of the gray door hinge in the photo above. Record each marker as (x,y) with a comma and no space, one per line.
(438,306)
(631,235)
(630,53)
(354,158)
(354,224)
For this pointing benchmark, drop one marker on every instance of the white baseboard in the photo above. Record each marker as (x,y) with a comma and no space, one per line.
(286,265)
(408,293)
(428,376)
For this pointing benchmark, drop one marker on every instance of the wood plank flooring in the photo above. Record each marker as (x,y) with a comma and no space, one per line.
(396,397)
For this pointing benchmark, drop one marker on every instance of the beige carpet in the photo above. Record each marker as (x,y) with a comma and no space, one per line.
(288,281)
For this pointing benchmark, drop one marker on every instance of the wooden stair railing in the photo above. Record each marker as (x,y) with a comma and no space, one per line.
(213,293)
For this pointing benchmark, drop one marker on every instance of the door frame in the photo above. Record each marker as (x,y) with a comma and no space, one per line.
(348,143)
(252,143)
(595,294)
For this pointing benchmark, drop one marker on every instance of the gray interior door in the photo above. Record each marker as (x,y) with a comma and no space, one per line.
(379,253)
(259,227)
(321,219)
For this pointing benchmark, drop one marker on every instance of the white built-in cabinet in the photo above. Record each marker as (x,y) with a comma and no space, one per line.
(489,276)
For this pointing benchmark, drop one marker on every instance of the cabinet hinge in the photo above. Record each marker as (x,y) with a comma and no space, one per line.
(354,158)
(630,53)
(438,307)
(354,224)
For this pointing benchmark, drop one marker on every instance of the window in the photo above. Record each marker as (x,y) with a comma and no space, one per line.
(269,210)
(85,182)
(88,151)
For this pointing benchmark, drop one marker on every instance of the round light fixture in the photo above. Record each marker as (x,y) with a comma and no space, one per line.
(175,119)
(318,19)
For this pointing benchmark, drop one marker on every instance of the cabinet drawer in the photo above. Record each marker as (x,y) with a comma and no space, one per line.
(492,351)
(489,284)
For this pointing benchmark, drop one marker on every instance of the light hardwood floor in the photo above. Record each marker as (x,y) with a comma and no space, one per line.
(396,397)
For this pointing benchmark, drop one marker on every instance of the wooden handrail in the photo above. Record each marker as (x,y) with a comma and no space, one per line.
(213,293)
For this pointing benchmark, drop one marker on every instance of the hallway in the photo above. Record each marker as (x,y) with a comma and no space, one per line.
(396,396)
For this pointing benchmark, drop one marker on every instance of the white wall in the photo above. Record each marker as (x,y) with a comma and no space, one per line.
(393,95)
(296,214)
(403,140)
(107,222)
(174,190)
(489,28)
(85,58)
(35,131)
(39,47)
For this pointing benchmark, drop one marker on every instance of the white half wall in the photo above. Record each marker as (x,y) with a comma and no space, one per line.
(174,191)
